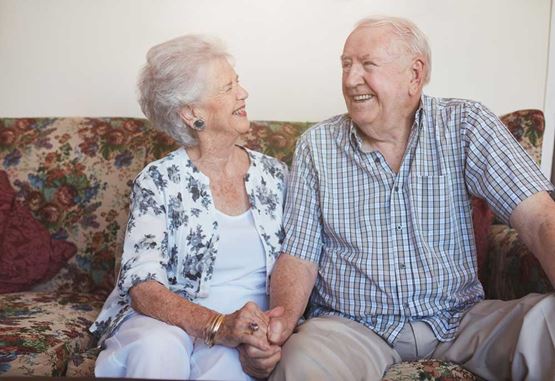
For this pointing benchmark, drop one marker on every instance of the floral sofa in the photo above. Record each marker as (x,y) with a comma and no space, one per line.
(74,176)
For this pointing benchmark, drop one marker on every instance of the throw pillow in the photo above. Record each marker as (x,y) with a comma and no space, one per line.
(28,254)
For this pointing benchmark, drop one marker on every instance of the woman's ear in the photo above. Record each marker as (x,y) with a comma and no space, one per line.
(187,114)
(417,76)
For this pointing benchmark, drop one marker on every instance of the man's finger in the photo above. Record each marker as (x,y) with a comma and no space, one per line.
(275,312)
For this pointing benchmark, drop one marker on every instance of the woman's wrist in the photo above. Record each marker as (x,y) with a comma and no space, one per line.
(212,328)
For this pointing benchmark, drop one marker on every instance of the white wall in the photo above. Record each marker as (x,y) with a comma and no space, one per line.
(81,57)
(549,108)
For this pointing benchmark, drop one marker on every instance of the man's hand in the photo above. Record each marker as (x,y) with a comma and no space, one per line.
(260,363)
(257,363)
(278,331)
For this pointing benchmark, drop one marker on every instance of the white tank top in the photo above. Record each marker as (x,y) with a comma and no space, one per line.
(240,266)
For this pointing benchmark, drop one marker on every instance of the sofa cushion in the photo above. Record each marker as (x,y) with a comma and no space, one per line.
(82,364)
(429,370)
(41,330)
(28,254)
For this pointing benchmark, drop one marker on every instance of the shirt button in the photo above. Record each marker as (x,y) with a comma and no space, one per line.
(402,265)
(377,160)
(396,189)
(398,227)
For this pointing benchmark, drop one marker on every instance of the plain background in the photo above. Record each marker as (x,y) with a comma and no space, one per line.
(81,57)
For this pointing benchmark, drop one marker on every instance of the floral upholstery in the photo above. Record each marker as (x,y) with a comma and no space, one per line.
(513,271)
(429,370)
(39,330)
(75,175)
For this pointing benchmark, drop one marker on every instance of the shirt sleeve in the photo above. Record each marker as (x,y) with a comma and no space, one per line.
(145,251)
(497,168)
(302,217)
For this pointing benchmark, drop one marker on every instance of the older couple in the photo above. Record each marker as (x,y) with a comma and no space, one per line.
(378,236)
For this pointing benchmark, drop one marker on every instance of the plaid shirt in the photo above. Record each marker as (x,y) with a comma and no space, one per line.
(397,247)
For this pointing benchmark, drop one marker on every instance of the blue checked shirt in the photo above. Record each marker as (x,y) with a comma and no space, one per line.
(397,247)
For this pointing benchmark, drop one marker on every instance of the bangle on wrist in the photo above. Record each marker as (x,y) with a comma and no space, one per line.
(212,329)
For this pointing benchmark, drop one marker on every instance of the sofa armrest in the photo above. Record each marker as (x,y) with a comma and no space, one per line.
(513,271)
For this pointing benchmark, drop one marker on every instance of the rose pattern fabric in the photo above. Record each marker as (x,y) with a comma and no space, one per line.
(76,175)
(171,199)
(39,330)
(428,370)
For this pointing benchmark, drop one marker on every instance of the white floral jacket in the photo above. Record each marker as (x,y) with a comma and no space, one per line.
(172,233)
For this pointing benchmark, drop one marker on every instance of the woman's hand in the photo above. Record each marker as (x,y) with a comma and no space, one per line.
(240,328)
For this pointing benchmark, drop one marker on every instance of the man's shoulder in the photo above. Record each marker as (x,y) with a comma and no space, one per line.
(327,129)
(439,105)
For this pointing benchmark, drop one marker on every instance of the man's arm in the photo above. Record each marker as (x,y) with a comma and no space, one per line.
(534,220)
(291,284)
(290,287)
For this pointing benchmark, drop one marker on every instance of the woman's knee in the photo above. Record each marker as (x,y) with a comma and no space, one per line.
(165,340)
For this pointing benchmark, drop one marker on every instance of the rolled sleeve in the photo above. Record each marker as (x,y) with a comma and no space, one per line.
(145,252)
(497,167)
(303,230)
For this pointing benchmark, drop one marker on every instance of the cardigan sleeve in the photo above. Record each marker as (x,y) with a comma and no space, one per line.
(145,252)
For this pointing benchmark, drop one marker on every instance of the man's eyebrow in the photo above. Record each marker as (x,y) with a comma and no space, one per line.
(344,57)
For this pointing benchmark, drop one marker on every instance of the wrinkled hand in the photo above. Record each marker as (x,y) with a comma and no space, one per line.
(278,330)
(235,328)
(257,363)
(260,363)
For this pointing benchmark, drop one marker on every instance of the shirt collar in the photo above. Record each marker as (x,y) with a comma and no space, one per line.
(419,116)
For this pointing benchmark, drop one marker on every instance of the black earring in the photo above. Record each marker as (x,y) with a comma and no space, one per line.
(199,125)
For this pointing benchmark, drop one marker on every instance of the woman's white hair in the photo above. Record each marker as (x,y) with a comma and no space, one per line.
(408,32)
(175,75)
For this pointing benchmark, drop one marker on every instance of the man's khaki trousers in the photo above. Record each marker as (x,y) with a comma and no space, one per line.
(497,340)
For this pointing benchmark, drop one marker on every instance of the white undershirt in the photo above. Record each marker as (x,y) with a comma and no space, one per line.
(240,266)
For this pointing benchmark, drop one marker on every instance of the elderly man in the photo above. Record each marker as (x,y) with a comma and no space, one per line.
(379,230)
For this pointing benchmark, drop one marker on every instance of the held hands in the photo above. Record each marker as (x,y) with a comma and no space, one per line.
(257,362)
(248,325)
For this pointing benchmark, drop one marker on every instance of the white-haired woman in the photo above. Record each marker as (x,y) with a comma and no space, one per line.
(203,233)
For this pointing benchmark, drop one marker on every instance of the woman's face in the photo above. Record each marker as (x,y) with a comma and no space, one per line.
(223,108)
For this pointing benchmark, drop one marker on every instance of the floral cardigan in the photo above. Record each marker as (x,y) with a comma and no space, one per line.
(172,234)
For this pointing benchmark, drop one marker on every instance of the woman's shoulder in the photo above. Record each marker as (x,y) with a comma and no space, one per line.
(170,167)
(267,163)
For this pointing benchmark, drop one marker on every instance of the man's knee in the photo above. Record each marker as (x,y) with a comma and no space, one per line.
(333,349)
(299,360)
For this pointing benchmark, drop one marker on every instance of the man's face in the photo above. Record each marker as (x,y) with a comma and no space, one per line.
(376,76)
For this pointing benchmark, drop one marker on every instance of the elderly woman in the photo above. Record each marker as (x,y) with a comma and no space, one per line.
(203,233)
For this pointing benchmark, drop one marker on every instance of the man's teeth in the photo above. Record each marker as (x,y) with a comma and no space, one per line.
(363,97)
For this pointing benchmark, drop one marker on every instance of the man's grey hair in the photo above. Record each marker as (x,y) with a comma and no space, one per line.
(409,33)
(175,75)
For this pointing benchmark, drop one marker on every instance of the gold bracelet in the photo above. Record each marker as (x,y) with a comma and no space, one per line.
(212,329)
(208,331)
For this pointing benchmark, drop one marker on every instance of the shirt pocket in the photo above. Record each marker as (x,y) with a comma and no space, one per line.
(431,211)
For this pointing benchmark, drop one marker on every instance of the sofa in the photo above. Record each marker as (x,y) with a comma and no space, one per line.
(72,177)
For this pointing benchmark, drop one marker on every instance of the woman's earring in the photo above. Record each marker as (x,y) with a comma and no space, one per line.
(199,125)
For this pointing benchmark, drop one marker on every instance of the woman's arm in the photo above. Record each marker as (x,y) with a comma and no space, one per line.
(155,300)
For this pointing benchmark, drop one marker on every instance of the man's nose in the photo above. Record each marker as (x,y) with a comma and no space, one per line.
(353,77)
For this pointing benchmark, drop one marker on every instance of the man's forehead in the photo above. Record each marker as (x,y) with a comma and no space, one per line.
(367,41)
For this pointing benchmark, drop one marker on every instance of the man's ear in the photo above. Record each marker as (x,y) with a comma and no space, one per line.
(187,114)
(417,69)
